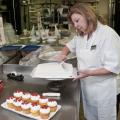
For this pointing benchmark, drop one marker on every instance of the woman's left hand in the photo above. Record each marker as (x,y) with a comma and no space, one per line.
(82,74)
(92,72)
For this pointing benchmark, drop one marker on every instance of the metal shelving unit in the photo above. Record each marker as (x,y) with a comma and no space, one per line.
(30,10)
(47,10)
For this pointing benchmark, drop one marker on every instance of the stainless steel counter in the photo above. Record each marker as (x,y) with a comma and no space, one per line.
(11,60)
(69,100)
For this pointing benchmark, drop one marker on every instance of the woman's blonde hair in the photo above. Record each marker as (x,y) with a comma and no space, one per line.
(87,11)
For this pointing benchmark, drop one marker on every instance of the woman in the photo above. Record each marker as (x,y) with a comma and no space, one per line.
(118,93)
(97,49)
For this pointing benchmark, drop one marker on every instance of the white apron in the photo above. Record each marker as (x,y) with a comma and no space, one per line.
(98,92)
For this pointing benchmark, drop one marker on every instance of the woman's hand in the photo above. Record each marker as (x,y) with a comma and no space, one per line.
(63,55)
(82,74)
(60,57)
(92,72)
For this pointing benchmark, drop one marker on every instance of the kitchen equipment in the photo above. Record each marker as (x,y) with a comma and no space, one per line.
(14,76)
(56,86)
(10,50)
(55,73)
(51,94)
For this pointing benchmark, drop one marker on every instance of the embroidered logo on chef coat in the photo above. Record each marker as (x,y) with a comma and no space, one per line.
(93,47)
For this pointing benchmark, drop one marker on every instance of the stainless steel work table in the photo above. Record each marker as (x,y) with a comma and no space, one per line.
(69,100)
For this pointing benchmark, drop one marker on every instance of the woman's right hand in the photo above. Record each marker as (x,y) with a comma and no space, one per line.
(60,57)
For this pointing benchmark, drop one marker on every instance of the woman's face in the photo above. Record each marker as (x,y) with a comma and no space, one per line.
(79,22)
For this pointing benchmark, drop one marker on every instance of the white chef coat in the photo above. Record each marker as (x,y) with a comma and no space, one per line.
(118,84)
(101,50)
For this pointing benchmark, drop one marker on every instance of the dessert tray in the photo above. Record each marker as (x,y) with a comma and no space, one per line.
(53,70)
(33,101)
(4,105)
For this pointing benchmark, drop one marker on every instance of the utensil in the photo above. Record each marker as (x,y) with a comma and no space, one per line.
(51,94)
(62,64)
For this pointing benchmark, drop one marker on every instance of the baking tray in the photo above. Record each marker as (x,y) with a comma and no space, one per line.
(10,48)
(29,48)
(4,105)
(54,71)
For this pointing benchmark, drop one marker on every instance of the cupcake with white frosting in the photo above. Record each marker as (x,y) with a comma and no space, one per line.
(34,109)
(43,101)
(34,97)
(26,107)
(52,103)
(10,101)
(17,104)
(26,96)
(44,112)
(18,94)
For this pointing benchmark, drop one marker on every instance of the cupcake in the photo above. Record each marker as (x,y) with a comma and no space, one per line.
(10,101)
(26,107)
(18,94)
(43,101)
(52,104)
(44,112)
(17,104)
(34,109)
(34,97)
(26,96)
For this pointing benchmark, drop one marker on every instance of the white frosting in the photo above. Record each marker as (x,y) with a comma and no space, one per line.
(17,103)
(35,97)
(52,103)
(25,105)
(34,108)
(18,94)
(10,100)
(45,111)
(43,100)
(26,95)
